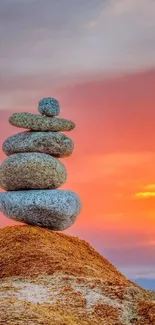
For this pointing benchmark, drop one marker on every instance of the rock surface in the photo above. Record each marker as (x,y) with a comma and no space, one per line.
(49,278)
(53,209)
(37,122)
(49,106)
(31,171)
(52,143)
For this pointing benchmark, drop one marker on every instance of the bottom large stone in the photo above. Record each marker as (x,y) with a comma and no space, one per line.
(53,209)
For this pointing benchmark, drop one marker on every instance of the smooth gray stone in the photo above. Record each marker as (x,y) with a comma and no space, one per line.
(49,106)
(38,122)
(52,143)
(53,209)
(31,171)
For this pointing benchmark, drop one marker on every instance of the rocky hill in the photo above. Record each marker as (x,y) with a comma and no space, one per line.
(49,278)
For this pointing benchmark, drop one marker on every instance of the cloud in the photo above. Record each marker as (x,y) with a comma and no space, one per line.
(43,36)
(148,192)
(119,165)
(150,187)
(145,194)
(135,272)
(65,38)
(133,256)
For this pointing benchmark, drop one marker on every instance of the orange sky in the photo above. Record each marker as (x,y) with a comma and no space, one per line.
(113,165)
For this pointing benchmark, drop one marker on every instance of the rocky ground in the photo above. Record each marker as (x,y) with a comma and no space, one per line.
(51,278)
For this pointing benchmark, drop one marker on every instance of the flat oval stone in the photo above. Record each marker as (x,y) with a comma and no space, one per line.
(37,122)
(49,106)
(52,143)
(53,209)
(31,171)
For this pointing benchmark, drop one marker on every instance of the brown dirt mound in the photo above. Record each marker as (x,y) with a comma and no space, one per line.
(49,278)
(26,250)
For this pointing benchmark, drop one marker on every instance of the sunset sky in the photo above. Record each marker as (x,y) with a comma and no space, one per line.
(98,59)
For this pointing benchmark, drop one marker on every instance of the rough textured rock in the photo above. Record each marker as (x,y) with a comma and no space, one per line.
(52,143)
(37,122)
(31,171)
(53,209)
(49,278)
(49,106)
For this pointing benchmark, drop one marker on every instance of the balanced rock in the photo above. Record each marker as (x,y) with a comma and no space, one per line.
(52,143)
(31,171)
(49,106)
(53,209)
(37,122)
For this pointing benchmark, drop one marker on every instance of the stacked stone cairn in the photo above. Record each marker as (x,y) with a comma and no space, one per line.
(32,173)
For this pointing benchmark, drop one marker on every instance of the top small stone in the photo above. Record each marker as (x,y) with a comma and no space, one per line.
(49,106)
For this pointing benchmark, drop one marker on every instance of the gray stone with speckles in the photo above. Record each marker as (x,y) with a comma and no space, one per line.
(31,171)
(52,143)
(36,122)
(53,209)
(49,106)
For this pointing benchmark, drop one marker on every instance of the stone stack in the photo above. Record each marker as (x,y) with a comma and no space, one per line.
(32,172)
